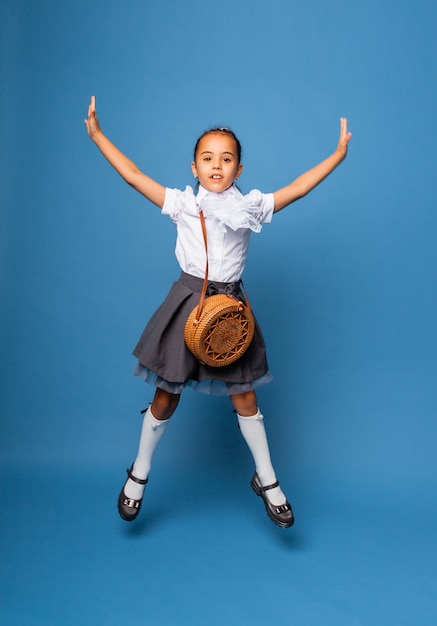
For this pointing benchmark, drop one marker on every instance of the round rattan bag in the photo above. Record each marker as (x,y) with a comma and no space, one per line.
(221,331)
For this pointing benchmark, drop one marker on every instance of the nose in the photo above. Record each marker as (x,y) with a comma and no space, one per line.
(216,165)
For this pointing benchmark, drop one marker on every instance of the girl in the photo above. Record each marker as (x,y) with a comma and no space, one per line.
(163,359)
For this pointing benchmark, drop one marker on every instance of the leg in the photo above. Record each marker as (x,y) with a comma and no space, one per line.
(245,403)
(154,424)
(251,424)
(264,482)
(164,404)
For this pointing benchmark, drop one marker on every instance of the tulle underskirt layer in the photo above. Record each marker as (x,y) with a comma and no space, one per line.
(209,387)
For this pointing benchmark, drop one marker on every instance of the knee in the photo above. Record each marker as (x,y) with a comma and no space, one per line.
(245,404)
(164,404)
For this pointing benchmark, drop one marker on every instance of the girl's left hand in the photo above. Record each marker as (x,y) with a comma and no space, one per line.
(344,137)
(92,123)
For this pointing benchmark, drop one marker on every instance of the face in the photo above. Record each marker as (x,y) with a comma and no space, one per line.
(216,165)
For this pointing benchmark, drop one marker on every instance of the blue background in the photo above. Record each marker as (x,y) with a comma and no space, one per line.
(343,283)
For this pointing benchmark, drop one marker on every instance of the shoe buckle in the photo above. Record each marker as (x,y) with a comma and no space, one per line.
(283,508)
(133,504)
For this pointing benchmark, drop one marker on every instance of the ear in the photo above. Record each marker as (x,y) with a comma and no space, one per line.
(238,172)
(194,169)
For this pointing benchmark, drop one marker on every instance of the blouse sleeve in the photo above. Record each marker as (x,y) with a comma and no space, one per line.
(262,205)
(177,202)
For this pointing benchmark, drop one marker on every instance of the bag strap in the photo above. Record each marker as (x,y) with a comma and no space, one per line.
(205,280)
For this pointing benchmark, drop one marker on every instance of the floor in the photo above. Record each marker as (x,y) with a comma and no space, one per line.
(352,558)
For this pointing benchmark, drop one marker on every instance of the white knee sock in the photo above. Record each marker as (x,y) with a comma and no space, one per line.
(253,431)
(151,434)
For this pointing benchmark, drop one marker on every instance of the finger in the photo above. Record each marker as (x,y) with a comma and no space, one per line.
(92,107)
(344,134)
(347,133)
(343,125)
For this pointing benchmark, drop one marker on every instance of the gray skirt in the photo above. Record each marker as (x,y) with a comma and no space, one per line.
(165,361)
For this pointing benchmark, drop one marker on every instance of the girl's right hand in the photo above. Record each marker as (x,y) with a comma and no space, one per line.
(344,138)
(92,123)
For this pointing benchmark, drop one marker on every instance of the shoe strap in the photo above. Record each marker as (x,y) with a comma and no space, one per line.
(267,487)
(140,481)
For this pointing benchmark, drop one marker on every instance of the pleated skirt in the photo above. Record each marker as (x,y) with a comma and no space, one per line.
(165,362)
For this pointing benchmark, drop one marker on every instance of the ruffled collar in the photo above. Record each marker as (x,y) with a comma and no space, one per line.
(230,208)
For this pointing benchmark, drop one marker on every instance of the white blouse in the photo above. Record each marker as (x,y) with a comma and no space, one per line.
(230,219)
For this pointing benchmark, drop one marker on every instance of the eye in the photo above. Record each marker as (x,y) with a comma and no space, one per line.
(207,158)
(227,160)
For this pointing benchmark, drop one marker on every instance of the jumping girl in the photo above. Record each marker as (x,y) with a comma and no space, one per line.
(163,359)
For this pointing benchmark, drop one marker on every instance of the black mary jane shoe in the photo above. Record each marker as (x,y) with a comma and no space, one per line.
(281,514)
(128,507)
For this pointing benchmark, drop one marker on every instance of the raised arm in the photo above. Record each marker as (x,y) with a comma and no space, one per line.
(310,179)
(120,162)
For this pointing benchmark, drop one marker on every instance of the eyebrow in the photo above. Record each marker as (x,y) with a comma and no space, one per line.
(212,152)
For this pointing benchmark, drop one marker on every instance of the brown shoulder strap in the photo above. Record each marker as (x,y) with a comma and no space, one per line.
(205,280)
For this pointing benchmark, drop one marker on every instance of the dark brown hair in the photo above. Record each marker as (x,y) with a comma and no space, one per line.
(225,131)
